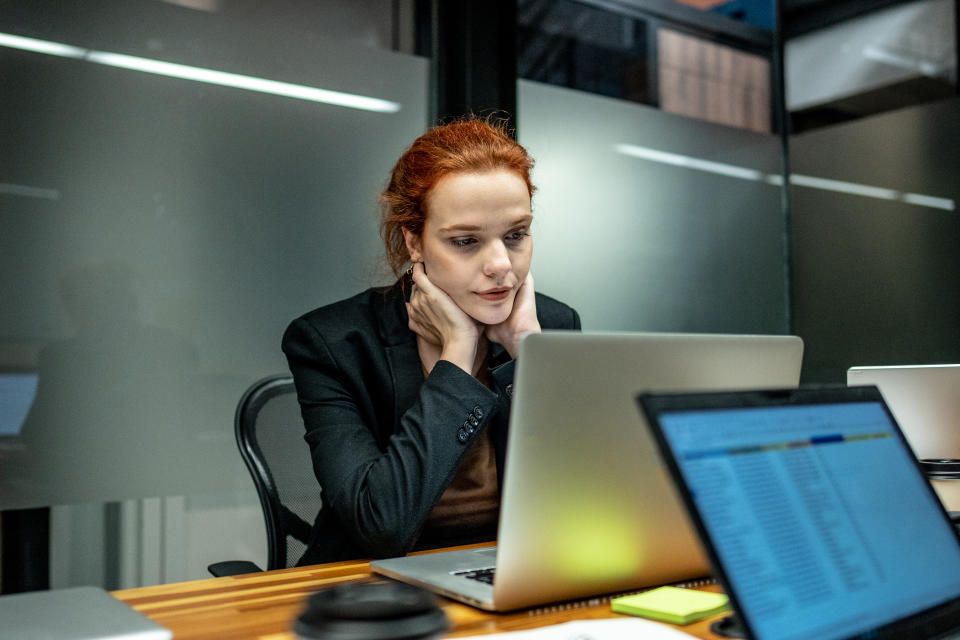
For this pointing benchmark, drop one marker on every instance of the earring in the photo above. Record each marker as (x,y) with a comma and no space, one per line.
(410,270)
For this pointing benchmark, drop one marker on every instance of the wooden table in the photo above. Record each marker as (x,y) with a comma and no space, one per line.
(263,606)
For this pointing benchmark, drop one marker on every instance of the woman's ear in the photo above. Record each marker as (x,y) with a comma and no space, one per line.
(412,241)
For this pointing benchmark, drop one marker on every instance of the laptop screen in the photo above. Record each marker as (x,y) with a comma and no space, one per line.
(17,392)
(818,516)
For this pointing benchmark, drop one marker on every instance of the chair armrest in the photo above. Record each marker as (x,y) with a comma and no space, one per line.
(233,568)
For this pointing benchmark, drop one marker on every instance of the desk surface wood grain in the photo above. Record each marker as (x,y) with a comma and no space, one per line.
(262,606)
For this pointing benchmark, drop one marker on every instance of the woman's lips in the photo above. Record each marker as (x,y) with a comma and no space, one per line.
(495,295)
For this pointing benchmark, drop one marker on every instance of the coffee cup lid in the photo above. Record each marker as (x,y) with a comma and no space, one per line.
(371,611)
(941,467)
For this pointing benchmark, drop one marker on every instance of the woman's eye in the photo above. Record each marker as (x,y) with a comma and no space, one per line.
(462,243)
(517,236)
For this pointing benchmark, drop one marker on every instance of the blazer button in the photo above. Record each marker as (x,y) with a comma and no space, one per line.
(510,390)
(473,422)
(463,435)
(478,413)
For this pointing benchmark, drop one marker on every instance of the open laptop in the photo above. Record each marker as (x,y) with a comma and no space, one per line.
(18,389)
(925,400)
(812,507)
(586,507)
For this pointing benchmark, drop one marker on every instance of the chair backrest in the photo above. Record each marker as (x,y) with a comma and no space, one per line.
(269,432)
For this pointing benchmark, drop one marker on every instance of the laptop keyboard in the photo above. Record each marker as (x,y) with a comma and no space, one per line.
(482,575)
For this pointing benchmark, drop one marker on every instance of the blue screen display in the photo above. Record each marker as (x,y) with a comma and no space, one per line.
(17,391)
(818,515)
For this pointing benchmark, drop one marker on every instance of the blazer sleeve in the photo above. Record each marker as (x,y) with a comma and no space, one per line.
(382,495)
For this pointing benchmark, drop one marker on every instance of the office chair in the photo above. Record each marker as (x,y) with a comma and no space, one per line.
(269,432)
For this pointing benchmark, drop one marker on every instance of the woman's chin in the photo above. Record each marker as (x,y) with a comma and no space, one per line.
(489,317)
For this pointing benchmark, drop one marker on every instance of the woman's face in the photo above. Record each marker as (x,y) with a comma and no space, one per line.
(476,243)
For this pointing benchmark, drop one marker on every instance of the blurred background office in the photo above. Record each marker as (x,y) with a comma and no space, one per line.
(181,178)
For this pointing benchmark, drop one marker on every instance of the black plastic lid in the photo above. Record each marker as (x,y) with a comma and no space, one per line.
(371,611)
(942,468)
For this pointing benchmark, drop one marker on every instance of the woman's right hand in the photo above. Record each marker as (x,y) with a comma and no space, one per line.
(436,318)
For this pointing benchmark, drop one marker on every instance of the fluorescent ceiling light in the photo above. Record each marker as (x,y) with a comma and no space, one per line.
(199,74)
(885,56)
(745,173)
(928,201)
(41,46)
(843,187)
(690,163)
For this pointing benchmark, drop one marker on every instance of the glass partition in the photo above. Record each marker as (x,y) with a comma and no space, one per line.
(875,236)
(647,220)
(177,182)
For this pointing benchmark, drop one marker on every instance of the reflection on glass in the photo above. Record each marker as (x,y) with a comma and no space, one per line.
(198,74)
(17,392)
(884,60)
(570,44)
(876,277)
(160,232)
(647,220)
(715,82)
(676,58)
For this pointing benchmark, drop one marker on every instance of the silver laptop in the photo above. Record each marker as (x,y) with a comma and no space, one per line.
(76,613)
(814,512)
(925,399)
(587,507)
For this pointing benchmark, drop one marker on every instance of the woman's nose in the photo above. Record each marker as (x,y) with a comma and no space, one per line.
(497,260)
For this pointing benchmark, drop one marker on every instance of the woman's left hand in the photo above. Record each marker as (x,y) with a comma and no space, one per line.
(521,321)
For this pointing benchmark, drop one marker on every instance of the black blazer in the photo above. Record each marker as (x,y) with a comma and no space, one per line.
(384,440)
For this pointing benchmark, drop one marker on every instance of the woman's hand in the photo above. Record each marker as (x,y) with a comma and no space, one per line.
(447,331)
(521,321)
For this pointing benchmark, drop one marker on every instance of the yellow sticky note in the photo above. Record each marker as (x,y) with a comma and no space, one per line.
(672,604)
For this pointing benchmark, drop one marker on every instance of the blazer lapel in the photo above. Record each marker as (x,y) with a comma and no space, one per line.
(400,348)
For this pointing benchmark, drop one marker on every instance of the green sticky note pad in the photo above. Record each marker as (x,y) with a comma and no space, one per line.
(672,604)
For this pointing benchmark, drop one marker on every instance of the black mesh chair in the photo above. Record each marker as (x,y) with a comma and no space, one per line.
(269,432)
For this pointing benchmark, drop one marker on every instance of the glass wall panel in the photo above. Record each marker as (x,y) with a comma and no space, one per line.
(648,220)
(175,186)
(875,233)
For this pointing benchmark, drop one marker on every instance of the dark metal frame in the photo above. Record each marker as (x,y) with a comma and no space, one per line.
(781,123)
(474,45)
(805,16)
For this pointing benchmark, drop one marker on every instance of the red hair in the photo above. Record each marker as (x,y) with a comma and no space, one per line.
(466,145)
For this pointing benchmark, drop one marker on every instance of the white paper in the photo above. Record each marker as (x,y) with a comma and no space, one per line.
(605,629)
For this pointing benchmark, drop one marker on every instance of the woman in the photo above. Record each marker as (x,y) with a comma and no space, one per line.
(405,390)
